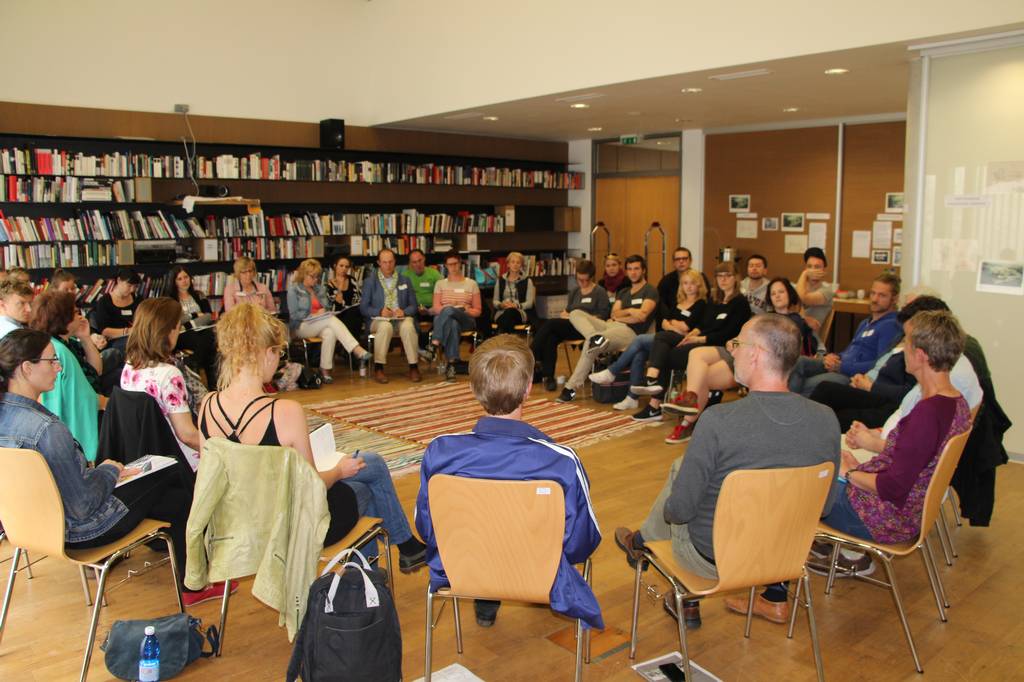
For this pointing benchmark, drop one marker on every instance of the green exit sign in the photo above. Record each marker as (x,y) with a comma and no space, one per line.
(629,139)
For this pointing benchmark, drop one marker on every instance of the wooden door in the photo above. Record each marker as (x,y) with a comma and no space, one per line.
(628,206)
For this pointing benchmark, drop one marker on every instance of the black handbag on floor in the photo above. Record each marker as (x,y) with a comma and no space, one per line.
(350,631)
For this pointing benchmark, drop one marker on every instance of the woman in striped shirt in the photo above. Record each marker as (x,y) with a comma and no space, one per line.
(456,306)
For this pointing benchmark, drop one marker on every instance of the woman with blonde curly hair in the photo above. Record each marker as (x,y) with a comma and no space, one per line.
(251,343)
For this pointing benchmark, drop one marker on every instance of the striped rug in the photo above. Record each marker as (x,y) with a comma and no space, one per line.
(420,414)
(402,457)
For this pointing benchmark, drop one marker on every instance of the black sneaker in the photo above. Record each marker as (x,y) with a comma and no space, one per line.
(550,384)
(461,367)
(648,414)
(595,344)
(714,397)
(566,396)
(412,563)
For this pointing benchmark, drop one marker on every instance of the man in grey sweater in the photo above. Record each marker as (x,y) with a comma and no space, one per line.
(770,428)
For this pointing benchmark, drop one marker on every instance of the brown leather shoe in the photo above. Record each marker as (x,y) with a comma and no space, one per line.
(414,375)
(379,376)
(776,612)
(624,538)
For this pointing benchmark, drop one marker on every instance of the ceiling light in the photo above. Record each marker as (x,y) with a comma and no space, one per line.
(790,110)
(740,74)
(836,72)
(689,90)
(490,118)
(579,98)
(595,129)
(580,105)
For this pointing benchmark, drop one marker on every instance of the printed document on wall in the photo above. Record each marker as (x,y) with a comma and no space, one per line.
(881,234)
(796,243)
(861,244)
(746,229)
(817,233)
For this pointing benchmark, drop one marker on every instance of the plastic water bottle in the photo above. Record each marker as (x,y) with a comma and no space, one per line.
(149,657)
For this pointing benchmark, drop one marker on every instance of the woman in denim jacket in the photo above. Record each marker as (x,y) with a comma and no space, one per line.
(95,512)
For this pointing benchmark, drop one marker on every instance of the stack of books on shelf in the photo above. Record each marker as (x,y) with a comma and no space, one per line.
(64,189)
(259,248)
(99,225)
(256,224)
(45,255)
(411,221)
(540,265)
(61,162)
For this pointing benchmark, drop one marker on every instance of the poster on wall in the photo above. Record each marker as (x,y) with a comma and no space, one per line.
(795,243)
(792,222)
(1001,277)
(897,256)
(894,202)
(861,244)
(879,256)
(881,234)
(739,203)
(817,233)
(770,224)
(746,229)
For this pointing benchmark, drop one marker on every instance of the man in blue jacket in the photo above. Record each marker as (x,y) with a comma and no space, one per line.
(874,337)
(389,303)
(502,446)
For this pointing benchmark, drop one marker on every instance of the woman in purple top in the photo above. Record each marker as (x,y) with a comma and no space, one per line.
(883,499)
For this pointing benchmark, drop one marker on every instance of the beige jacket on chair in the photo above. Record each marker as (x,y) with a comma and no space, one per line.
(257,510)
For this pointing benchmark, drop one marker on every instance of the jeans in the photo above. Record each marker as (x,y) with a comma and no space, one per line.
(843,517)
(810,372)
(376,496)
(448,327)
(634,357)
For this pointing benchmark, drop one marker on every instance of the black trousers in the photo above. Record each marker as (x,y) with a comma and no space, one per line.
(344,511)
(666,355)
(545,343)
(853,404)
(203,344)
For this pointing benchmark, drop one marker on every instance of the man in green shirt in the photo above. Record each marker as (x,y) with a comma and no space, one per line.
(423,280)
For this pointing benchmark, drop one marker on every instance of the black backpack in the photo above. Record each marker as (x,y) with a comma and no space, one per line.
(310,378)
(350,631)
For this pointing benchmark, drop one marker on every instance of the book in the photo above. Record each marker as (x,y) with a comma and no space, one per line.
(325,452)
(148,464)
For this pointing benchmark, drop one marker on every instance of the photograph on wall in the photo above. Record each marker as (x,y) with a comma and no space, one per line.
(897,256)
(739,203)
(879,256)
(1001,277)
(792,222)
(894,202)
(769,224)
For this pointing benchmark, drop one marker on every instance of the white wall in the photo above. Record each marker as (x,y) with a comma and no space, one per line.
(974,108)
(388,60)
(691,196)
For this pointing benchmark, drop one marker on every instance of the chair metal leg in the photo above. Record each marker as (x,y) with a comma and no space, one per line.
(9,591)
(950,495)
(387,560)
(750,612)
(175,576)
(943,541)
(578,677)
(458,624)
(949,537)
(891,577)
(96,572)
(429,642)
(224,615)
(682,632)
(937,588)
(812,626)
(588,571)
(636,610)
(796,606)
(100,598)
(85,585)
(832,563)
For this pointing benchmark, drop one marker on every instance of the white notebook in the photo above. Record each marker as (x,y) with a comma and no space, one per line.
(325,453)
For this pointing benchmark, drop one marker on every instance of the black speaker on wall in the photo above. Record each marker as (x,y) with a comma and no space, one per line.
(332,133)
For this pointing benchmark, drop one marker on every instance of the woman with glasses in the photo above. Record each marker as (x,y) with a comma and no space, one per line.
(251,343)
(245,289)
(726,313)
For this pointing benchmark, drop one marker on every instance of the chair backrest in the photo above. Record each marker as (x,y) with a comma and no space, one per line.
(765,521)
(30,503)
(941,478)
(498,539)
(826,328)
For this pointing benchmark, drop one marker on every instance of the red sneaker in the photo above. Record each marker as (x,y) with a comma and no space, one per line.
(685,403)
(214,591)
(269,387)
(681,433)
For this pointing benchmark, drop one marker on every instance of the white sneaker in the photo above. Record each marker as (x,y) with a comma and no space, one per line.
(603,378)
(626,403)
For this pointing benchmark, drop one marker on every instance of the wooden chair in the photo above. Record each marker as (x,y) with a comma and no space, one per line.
(497,540)
(576,345)
(28,562)
(33,515)
(367,529)
(764,525)
(885,553)
(525,328)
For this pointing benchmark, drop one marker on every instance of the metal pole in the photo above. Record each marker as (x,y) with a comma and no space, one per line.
(600,227)
(664,246)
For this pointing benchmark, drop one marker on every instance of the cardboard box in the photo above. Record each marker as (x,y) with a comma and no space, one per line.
(567,218)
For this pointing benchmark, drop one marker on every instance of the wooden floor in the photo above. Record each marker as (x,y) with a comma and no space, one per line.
(860,634)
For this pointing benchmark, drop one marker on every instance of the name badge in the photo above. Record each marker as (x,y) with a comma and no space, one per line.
(126,313)
(684,313)
(637,301)
(722,316)
(868,333)
(459,291)
(424,285)
(588,299)
(241,293)
(402,287)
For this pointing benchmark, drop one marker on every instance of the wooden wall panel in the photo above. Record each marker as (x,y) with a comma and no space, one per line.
(791,171)
(41,119)
(628,206)
(872,165)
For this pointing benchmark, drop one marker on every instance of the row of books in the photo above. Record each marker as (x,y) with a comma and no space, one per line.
(411,221)
(260,249)
(32,256)
(40,161)
(99,225)
(257,224)
(213,284)
(64,189)
(539,265)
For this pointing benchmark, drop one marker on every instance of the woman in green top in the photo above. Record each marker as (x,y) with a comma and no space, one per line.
(72,397)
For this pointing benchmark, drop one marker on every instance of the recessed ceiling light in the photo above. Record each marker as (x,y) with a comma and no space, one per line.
(689,90)
(580,98)
(790,110)
(595,129)
(836,72)
(490,118)
(580,105)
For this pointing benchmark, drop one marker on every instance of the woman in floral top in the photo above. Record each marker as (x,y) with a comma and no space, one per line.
(883,499)
(148,369)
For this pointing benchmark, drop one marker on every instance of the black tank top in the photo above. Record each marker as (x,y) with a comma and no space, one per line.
(235,432)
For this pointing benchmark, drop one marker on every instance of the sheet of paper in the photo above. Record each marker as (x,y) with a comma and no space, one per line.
(891,217)
(746,215)
(817,233)
(967,200)
(881,234)
(746,229)
(471,242)
(897,235)
(796,243)
(325,452)
(356,245)
(819,216)
(150,464)
(861,244)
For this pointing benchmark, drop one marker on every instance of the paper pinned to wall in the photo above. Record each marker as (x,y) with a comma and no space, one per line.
(796,243)
(746,215)
(819,216)
(891,217)
(817,233)
(861,244)
(897,235)
(881,234)
(746,229)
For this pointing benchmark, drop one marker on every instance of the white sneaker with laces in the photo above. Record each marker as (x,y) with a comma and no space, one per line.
(626,403)
(602,378)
